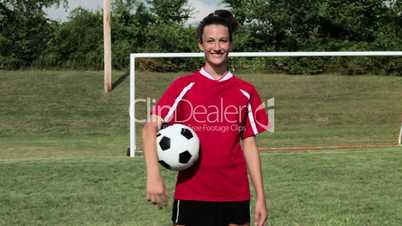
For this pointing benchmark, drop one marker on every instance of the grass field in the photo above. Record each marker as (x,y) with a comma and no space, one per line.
(317,188)
(63,144)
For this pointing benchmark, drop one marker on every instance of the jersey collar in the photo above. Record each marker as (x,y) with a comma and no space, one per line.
(225,77)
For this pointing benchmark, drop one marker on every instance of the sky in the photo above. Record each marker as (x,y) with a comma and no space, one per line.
(202,8)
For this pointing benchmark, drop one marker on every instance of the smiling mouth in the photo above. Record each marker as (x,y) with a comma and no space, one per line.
(218,54)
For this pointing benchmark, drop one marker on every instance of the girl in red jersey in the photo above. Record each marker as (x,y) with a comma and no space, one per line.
(226,113)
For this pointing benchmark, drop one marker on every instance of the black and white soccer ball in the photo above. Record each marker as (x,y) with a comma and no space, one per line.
(178,147)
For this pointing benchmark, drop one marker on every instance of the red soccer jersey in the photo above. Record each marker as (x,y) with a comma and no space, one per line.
(221,112)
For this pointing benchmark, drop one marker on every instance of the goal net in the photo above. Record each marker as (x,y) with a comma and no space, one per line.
(306,111)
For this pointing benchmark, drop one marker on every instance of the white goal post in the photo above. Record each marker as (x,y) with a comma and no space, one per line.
(134,56)
(400,134)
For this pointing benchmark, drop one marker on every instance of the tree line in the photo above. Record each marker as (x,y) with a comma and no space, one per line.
(29,39)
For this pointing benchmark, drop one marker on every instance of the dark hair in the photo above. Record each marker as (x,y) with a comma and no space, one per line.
(221,17)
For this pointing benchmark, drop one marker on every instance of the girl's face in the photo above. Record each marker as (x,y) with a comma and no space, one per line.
(215,44)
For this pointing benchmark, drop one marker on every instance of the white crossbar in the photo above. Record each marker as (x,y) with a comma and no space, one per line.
(133,56)
(272,54)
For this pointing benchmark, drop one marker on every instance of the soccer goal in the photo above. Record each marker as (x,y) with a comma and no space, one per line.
(134,56)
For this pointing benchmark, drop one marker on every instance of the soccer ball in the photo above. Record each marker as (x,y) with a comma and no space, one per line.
(178,147)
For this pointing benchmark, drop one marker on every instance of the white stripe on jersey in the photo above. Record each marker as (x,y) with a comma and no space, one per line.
(250,113)
(245,94)
(252,121)
(177,100)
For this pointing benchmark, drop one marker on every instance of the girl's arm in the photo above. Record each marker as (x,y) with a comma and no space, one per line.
(253,161)
(156,190)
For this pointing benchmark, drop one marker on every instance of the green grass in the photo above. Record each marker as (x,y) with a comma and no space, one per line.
(70,108)
(63,143)
(318,188)
(44,110)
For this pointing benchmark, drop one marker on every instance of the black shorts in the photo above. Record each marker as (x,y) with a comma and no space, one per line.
(201,213)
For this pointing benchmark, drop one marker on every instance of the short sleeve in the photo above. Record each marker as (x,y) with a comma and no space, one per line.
(167,104)
(256,119)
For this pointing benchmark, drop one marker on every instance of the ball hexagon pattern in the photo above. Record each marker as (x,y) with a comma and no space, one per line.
(184,157)
(164,143)
(177,146)
(186,133)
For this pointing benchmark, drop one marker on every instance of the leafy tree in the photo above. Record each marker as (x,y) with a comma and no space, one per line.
(28,38)
(24,31)
(318,25)
(77,43)
(292,24)
(130,21)
(170,11)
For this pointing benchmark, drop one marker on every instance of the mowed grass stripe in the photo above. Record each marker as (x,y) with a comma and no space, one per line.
(317,188)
